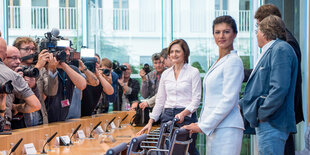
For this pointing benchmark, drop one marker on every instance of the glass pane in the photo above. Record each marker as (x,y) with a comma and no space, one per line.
(124,35)
(39,2)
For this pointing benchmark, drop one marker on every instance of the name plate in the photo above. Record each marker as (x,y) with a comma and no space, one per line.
(64,140)
(81,134)
(29,149)
(99,130)
(113,125)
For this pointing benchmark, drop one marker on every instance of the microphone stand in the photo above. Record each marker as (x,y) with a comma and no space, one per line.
(15,146)
(90,134)
(49,140)
(74,132)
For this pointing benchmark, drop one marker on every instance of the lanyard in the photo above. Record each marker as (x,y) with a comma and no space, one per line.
(63,79)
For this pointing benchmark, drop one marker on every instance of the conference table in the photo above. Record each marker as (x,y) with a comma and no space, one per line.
(99,145)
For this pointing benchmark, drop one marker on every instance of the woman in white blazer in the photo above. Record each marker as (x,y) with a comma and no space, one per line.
(220,118)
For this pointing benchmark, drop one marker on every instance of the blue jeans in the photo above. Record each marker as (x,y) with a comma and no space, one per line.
(270,140)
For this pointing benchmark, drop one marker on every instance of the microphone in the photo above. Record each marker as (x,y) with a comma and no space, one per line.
(106,129)
(90,135)
(119,125)
(74,132)
(49,140)
(15,146)
(55,32)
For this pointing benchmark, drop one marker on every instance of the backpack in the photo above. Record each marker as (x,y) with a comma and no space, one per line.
(141,118)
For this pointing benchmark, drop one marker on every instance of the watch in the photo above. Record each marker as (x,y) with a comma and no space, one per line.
(2,111)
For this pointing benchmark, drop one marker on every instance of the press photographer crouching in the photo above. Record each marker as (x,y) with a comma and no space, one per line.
(21,89)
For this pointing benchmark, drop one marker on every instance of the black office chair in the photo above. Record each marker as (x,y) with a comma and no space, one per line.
(134,146)
(179,143)
(157,142)
(117,149)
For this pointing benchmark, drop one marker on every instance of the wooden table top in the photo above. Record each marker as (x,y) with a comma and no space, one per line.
(99,145)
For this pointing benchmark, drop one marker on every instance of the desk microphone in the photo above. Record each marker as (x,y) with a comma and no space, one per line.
(74,132)
(49,140)
(16,146)
(119,125)
(90,135)
(106,129)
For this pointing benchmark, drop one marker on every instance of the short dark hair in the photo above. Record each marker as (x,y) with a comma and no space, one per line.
(184,47)
(164,53)
(225,19)
(156,56)
(273,27)
(266,10)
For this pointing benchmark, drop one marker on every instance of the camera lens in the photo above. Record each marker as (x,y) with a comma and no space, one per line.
(106,72)
(31,72)
(61,56)
(6,87)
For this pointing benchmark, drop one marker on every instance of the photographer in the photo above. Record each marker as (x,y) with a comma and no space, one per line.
(47,81)
(128,89)
(91,94)
(69,77)
(150,81)
(167,64)
(21,90)
(107,72)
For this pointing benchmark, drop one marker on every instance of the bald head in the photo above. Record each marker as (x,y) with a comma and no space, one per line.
(2,48)
(12,59)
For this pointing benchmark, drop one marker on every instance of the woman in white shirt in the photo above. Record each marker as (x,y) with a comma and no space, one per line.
(220,118)
(179,91)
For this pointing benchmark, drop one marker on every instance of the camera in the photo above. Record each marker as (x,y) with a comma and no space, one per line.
(29,71)
(106,72)
(88,58)
(55,44)
(146,68)
(6,87)
(118,69)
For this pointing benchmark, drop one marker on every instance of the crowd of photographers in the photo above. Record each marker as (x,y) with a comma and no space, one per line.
(45,81)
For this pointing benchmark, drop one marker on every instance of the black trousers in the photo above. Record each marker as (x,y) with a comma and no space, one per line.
(169,114)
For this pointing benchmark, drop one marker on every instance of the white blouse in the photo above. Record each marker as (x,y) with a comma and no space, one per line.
(185,92)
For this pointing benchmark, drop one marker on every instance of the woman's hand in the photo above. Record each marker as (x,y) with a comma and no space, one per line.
(193,128)
(180,116)
(146,128)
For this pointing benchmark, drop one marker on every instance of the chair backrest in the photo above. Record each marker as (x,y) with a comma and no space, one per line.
(180,141)
(164,132)
(134,146)
(117,149)
(307,138)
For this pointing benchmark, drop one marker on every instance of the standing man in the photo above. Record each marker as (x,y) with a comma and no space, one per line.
(261,13)
(129,89)
(268,100)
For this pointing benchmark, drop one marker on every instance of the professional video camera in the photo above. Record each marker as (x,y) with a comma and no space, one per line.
(55,44)
(118,69)
(146,68)
(6,87)
(29,71)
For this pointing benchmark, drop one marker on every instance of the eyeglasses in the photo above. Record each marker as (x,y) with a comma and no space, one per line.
(14,58)
(28,49)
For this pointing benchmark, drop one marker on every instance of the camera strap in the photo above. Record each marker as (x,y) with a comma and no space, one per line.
(63,79)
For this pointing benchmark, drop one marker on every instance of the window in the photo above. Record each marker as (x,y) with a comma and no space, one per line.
(120,15)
